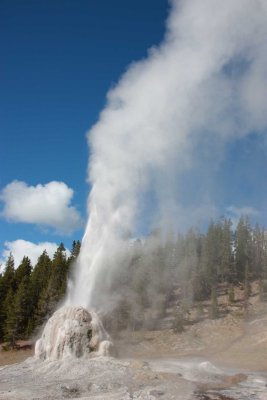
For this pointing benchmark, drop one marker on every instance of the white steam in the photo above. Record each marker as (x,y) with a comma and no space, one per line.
(170,114)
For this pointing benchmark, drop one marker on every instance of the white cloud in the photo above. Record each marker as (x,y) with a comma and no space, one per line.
(20,248)
(246,210)
(47,205)
(235,213)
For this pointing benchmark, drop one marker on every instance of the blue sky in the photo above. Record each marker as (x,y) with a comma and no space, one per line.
(58,60)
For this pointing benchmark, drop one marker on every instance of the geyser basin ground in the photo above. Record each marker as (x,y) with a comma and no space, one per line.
(178,378)
(104,378)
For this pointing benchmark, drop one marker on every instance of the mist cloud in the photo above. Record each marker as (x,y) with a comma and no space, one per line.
(234,213)
(163,131)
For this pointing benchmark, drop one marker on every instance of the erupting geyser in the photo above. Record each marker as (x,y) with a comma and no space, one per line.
(73,332)
(164,129)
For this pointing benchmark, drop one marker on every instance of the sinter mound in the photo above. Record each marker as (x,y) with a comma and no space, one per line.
(73,332)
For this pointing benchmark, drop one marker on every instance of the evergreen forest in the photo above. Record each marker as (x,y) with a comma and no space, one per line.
(194,264)
(29,295)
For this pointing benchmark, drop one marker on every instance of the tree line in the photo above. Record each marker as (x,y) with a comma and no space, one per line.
(190,267)
(28,295)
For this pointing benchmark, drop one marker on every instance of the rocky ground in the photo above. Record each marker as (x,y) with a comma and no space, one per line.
(106,378)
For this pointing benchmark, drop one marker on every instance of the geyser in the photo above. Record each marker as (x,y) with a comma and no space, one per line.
(73,332)
(169,118)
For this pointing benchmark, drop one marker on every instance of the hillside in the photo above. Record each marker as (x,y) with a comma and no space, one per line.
(237,337)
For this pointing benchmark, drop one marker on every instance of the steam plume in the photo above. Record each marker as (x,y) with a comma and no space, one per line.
(171,114)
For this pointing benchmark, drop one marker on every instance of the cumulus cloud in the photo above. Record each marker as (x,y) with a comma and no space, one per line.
(20,248)
(46,205)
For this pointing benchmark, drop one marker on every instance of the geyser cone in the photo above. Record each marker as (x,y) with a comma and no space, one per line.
(73,332)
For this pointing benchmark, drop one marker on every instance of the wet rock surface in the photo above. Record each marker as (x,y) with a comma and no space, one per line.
(107,378)
(97,378)
(213,383)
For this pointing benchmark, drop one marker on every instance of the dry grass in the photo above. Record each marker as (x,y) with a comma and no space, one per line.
(14,356)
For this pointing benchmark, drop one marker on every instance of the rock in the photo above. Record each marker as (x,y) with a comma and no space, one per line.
(73,332)
(70,391)
(106,348)
(156,393)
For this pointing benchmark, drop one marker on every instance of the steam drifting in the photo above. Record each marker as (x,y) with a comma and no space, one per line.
(170,114)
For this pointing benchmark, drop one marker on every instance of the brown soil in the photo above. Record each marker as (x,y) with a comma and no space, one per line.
(14,356)
(24,349)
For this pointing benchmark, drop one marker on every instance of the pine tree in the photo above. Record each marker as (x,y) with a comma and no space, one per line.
(212,253)
(7,286)
(178,323)
(123,314)
(2,311)
(8,278)
(227,272)
(10,322)
(44,308)
(257,252)
(37,284)
(19,313)
(75,251)
(59,273)
(40,276)
(263,277)
(200,281)
(231,293)
(214,309)
(247,289)
(55,289)
(23,270)
(243,248)
(201,273)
